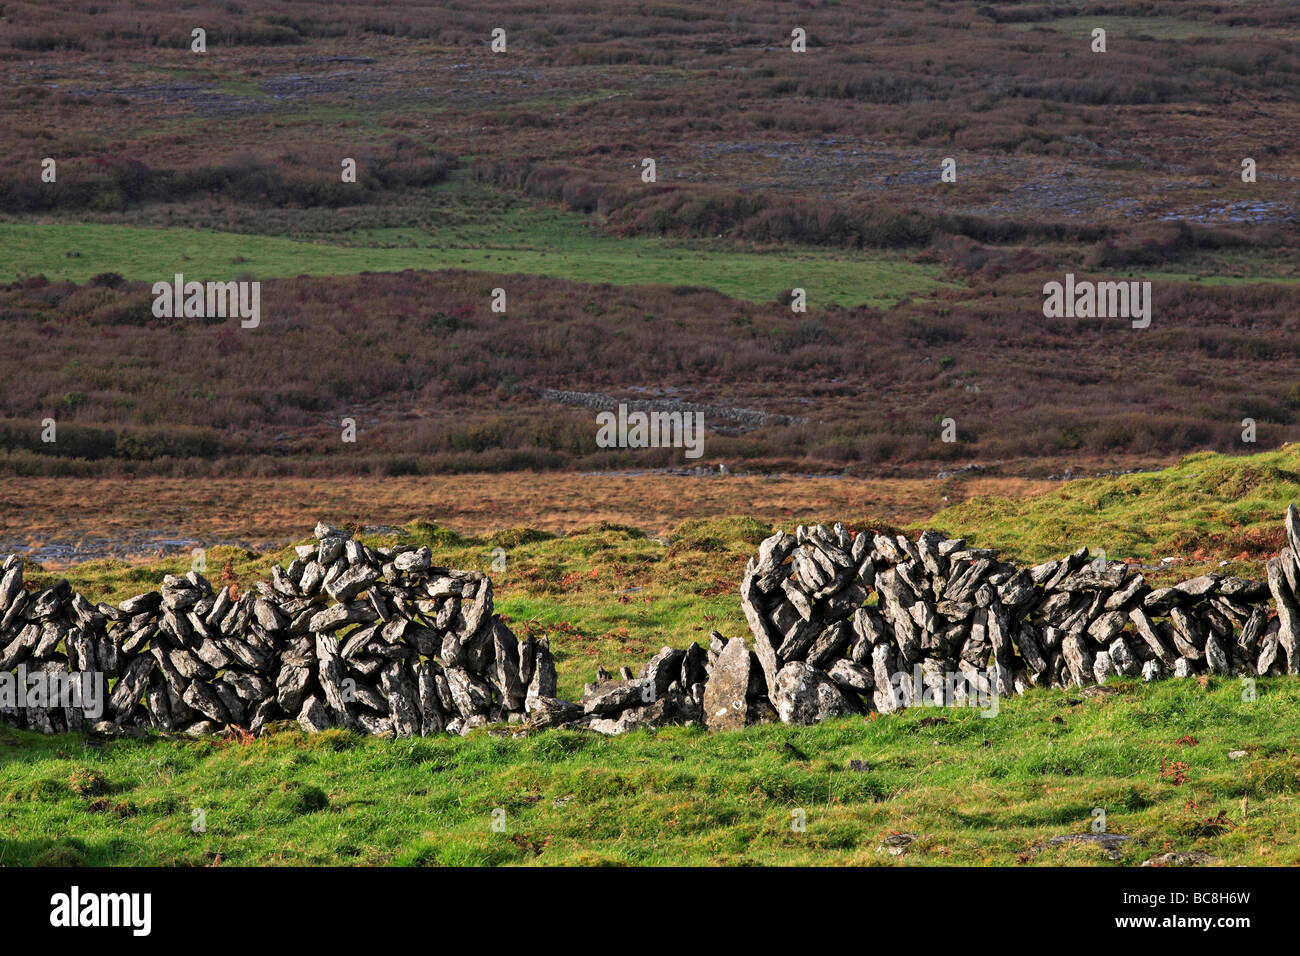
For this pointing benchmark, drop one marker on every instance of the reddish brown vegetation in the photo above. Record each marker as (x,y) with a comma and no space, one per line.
(1068,160)
(437,382)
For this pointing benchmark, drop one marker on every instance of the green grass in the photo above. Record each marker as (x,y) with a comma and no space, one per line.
(1224,504)
(526,239)
(973,790)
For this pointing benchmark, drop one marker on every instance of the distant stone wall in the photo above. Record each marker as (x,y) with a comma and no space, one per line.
(382,642)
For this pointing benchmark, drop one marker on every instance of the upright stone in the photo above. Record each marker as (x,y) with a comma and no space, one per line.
(1288,613)
(766,638)
(725,703)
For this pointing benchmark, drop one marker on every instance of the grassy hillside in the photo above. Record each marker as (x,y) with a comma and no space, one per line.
(1222,507)
(522,170)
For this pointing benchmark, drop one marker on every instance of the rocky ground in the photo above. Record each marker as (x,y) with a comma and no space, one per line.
(1095,185)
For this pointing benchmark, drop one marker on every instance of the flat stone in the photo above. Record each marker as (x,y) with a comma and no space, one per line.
(1192,858)
(312,717)
(1110,842)
(352,582)
(767,638)
(607,697)
(851,677)
(471,695)
(551,712)
(663,670)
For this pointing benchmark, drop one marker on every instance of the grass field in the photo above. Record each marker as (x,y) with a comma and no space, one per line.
(970,790)
(527,239)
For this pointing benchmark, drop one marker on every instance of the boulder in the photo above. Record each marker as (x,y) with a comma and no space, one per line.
(806,695)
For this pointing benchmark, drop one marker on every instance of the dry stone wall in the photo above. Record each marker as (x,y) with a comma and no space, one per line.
(845,624)
(376,640)
(383,642)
